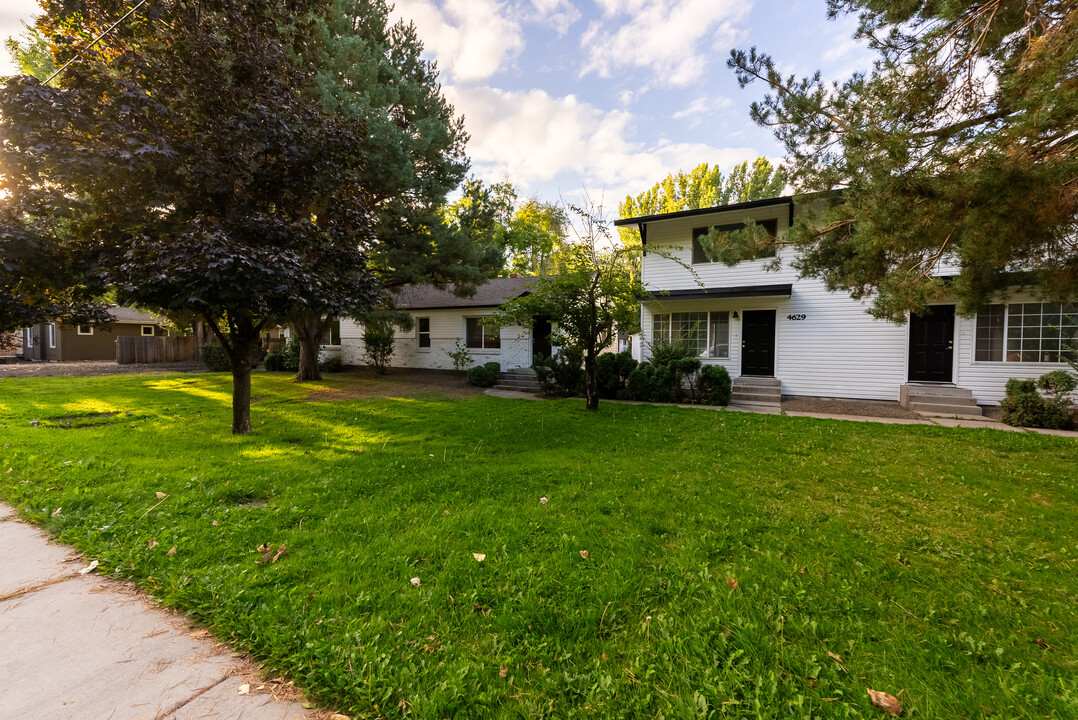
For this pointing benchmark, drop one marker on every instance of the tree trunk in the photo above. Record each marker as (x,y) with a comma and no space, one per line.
(309,328)
(591,380)
(241,399)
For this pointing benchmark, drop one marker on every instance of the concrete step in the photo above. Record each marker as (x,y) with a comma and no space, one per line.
(526,372)
(756,407)
(913,389)
(968,401)
(752,380)
(940,409)
(514,382)
(517,388)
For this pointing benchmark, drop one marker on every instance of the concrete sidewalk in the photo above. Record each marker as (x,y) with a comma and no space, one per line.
(82,647)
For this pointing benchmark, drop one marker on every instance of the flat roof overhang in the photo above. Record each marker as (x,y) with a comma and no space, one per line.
(786,200)
(743,291)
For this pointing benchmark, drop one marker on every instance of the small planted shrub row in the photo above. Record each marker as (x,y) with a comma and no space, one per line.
(485,375)
(561,375)
(1040,403)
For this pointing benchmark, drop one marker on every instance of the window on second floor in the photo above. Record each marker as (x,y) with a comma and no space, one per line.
(700,257)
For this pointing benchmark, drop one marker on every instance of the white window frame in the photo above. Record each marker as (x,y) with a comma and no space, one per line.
(89,329)
(52,335)
(29,338)
(707,330)
(420,347)
(1006,338)
(143,330)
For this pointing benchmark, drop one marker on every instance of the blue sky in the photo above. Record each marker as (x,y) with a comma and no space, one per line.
(607,95)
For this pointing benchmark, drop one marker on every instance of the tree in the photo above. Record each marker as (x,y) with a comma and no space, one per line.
(535,233)
(183,156)
(370,74)
(959,148)
(594,292)
(703,186)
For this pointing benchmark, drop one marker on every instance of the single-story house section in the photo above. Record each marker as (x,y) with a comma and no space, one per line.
(442,320)
(54,342)
(783,334)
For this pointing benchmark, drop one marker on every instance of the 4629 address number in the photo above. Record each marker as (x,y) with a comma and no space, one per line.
(796,317)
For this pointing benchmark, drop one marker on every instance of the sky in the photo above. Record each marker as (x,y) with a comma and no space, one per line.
(606,97)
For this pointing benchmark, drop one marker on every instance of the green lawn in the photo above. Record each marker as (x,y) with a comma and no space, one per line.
(737,565)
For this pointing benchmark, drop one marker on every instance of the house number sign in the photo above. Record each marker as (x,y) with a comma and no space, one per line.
(796,317)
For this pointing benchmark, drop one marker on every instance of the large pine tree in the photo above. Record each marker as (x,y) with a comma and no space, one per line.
(959,148)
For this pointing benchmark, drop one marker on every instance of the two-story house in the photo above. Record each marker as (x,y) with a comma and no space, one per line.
(779,333)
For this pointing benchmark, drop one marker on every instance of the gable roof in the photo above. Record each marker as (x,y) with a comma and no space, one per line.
(123,314)
(492,293)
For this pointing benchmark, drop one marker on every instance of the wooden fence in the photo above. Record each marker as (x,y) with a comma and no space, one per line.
(135,349)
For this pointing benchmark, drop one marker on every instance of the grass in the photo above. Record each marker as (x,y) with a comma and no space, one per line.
(737,565)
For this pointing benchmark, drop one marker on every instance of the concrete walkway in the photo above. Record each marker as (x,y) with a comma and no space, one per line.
(81,647)
(937,421)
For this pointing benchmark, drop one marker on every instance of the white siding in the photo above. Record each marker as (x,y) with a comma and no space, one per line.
(446,327)
(987,379)
(838,350)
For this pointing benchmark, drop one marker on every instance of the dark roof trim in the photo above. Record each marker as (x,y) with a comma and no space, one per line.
(461,306)
(745,291)
(785,200)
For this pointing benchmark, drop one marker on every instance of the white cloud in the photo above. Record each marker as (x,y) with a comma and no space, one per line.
(472,39)
(675,39)
(540,141)
(702,108)
(559,14)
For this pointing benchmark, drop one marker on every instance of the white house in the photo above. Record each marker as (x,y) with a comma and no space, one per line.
(773,329)
(442,320)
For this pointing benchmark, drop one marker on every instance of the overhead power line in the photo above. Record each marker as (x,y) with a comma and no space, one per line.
(96,40)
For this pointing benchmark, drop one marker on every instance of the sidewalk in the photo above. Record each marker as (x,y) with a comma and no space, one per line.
(83,647)
(924,420)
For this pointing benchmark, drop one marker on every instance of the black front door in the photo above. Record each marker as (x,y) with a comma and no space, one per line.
(541,337)
(758,342)
(932,345)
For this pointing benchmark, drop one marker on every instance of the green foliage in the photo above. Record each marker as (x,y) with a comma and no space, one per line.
(485,375)
(561,375)
(290,354)
(703,186)
(535,233)
(956,148)
(1023,406)
(274,362)
(714,385)
(613,371)
(378,341)
(669,503)
(460,356)
(594,293)
(215,358)
(332,364)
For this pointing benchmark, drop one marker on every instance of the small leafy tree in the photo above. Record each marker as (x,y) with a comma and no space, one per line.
(460,356)
(379,336)
(594,292)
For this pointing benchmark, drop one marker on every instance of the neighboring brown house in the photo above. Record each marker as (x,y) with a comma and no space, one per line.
(53,342)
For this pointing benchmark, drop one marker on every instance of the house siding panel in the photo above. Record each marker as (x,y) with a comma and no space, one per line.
(446,327)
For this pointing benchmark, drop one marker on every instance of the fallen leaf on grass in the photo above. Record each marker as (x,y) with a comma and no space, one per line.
(415,582)
(215,523)
(152,544)
(171,551)
(161,495)
(584,554)
(263,547)
(280,553)
(89,568)
(888,703)
(732,583)
(543,500)
(503,672)
(244,689)
(57,511)
(479,557)
(1040,498)
(199,634)
(1043,644)
(833,656)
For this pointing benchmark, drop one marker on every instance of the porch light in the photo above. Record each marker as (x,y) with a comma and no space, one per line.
(736,316)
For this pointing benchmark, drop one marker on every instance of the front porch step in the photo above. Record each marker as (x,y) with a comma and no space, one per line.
(756,393)
(518,380)
(939,401)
